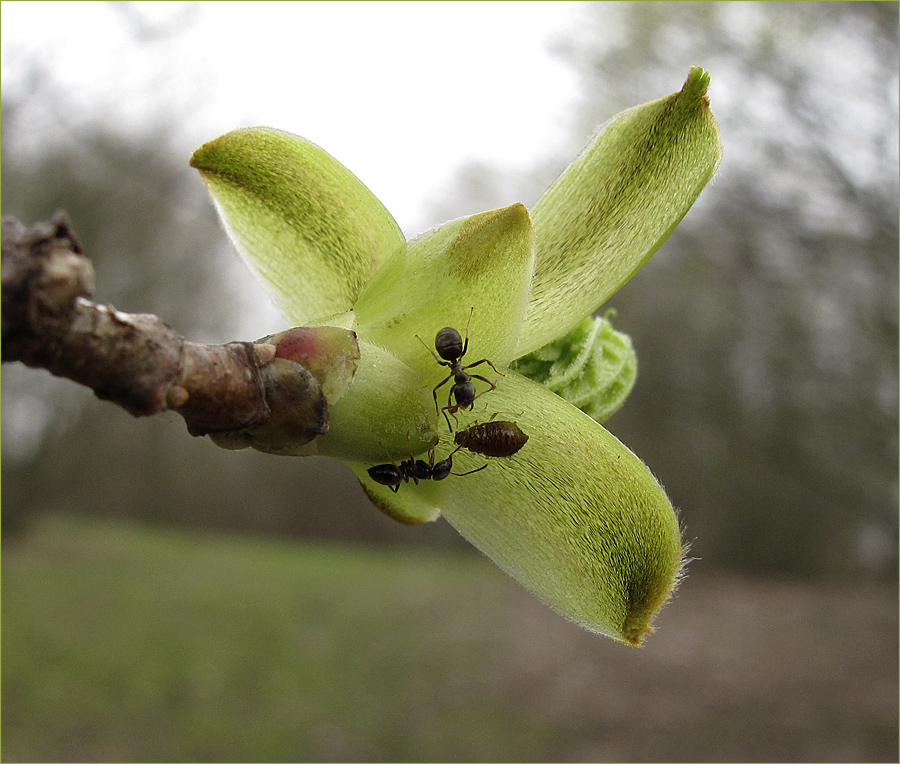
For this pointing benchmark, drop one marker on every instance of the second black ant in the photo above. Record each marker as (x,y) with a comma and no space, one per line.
(451,348)
(392,475)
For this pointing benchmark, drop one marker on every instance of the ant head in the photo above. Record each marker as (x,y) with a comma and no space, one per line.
(449,344)
(442,468)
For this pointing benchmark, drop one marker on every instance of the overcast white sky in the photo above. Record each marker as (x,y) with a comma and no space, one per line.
(400,92)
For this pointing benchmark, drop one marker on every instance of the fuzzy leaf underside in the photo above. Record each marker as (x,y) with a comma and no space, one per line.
(574,516)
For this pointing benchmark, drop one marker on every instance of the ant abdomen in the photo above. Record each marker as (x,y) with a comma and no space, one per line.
(389,475)
(449,344)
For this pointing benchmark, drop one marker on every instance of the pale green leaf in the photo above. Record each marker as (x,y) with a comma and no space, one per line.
(306,225)
(616,204)
(386,409)
(474,272)
(574,516)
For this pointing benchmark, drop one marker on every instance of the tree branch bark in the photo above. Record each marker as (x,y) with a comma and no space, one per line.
(134,360)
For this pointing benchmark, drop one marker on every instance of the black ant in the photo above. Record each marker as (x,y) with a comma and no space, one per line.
(451,348)
(414,469)
(492,438)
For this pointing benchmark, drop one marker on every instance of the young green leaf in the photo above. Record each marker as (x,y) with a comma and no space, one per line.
(305,224)
(616,204)
(474,272)
(574,515)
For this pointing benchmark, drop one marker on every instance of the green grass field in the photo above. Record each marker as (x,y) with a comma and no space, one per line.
(123,643)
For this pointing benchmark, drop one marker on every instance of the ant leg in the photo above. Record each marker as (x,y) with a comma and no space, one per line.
(390,458)
(438,387)
(413,472)
(442,363)
(461,474)
(452,409)
(493,386)
(484,360)
(466,344)
(483,392)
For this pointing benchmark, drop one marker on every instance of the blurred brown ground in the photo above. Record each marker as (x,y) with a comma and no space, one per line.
(739,670)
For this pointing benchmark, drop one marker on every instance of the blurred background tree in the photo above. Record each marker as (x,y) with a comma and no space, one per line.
(766,327)
(145,220)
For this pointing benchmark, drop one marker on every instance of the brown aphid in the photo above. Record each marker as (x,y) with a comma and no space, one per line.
(492,438)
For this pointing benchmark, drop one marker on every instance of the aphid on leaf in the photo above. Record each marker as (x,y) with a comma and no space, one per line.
(451,349)
(496,439)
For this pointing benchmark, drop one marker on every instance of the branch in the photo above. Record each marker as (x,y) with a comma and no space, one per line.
(134,360)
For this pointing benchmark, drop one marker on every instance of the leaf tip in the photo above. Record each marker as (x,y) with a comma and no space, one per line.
(696,85)
(645,602)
